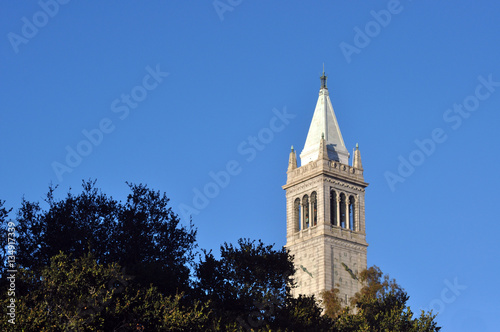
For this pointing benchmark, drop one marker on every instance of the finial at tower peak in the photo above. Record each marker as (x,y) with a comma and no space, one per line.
(323,79)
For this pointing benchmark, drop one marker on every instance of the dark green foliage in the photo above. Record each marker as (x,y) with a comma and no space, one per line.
(247,284)
(150,242)
(75,225)
(143,234)
(300,314)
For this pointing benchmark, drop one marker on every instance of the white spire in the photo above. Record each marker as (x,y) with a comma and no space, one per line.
(324,121)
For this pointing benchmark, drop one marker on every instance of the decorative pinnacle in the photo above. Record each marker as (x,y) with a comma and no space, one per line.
(356,163)
(292,148)
(322,135)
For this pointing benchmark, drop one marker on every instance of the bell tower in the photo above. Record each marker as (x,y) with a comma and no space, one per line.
(325,208)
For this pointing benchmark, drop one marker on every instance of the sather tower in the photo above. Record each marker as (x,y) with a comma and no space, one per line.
(325,208)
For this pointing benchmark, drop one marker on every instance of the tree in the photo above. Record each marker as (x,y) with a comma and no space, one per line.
(75,225)
(150,242)
(332,302)
(380,305)
(143,234)
(247,284)
(376,286)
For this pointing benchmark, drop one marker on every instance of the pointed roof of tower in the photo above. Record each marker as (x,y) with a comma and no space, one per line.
(324,121)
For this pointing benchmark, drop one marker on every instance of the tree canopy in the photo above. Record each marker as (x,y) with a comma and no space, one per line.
(143,234)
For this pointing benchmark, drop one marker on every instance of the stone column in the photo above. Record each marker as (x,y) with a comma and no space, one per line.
(347,212)
(355,211)
(337,222)
(305,212)
(314,210)
(302,215)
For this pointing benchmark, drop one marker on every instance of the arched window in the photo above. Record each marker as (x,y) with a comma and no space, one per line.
(314,209)
(352,221)
(296,215)
(343,212)
(305,211)
(333,207)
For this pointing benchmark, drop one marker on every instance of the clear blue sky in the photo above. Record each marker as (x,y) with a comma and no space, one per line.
(393,83)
